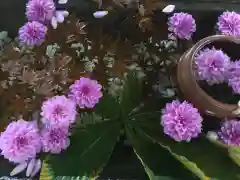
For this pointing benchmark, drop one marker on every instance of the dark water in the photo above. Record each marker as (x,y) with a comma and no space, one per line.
(123,163)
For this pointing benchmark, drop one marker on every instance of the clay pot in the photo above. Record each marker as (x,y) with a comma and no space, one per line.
(193,92)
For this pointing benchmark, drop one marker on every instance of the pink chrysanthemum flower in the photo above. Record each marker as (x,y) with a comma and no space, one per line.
(181,121)
(230,132)
(235,84)
(211,65)
(20,141)
(40,10)
(55,139)
(182,25)
(233,76)
(229,24)
(58,110)
(32,33)
(85,92)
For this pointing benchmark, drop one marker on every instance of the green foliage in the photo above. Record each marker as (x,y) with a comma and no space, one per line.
(161,157)
(108,107)
(132,94)
(90,149)
(200,156)
(155,157)
(234,153)
(151,174)
(45,173)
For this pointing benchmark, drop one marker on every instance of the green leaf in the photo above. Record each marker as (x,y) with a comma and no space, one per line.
(132,94)
(45,173)
(89,151)
(234,153)
(151,174)
(108,107)
(155,157)
(201,156)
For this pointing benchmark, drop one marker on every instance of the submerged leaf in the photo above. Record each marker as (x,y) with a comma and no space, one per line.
(132,94)
(89,151)
(201,156)
(234,153)
(153,156)
(108,107)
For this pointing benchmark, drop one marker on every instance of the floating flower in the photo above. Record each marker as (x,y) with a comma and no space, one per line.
(182,25)
(32,33)
(55,139)
(233,76)
(58,17)
(40,10)
(100,14)
(229,23)
(213,136)
(19,168)
(37,167)
(235,84)
(230,132)
(58,110)
(211,65)
(20,141)
(181,121)
(62,1)
(85,92)
(168,9)
(32,168)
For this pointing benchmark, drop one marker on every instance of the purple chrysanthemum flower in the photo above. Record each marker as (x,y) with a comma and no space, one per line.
(182,25)
(181,121)
(20,141)
(230,132)
(229,24)
(86,92)
(40,10)
(211,65)
(58,110)
(235,84)
(233,76)
(32,33)
(55,139)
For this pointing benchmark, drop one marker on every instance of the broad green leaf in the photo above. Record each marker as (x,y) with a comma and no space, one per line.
(191,166)
(201,156)
(155,157)
(234,153)
(151,174)
(89,151)
(132,94)
(108,107)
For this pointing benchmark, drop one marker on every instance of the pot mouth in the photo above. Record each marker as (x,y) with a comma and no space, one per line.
(190,87)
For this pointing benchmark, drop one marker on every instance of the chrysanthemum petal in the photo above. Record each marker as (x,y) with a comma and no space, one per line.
(20,141)
(32,33)
(40,10)
(55,139)
(85,92)
(19,168)
(229,133)
(182,25)
(30,167)
(58,110)
(37,167)
(229,23)
(181,121)
(211,65)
